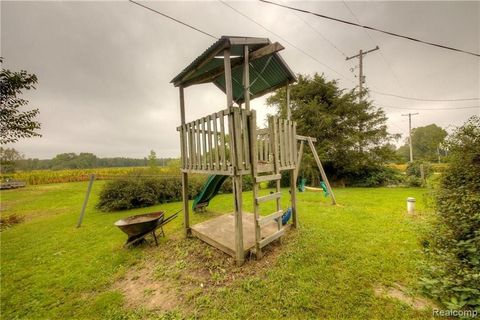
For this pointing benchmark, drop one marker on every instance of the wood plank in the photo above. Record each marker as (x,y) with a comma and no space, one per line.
(245,139)
(322,172)
(215,139)
(271,238)
(227,172)
(204,146)
(246,77)
(272,196)
(299,157)
(281,142)
(234,63)
(267,219)
(222,143)
(265,167)
(265,51)
(209,143)
(194,145)
(199,146)
(186,215)
(190,146)
(271,177)
(238,139)
(228,77)
(305,138)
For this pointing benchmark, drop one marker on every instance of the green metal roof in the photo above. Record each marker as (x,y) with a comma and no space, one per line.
(267,73)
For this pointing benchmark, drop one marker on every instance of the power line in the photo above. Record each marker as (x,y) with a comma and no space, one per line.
(426,109)
(420,99)
(321,35)
(176,20)
(373,43)
(285,40)
(372,28)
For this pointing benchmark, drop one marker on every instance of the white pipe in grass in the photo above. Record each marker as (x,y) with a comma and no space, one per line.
(411,205)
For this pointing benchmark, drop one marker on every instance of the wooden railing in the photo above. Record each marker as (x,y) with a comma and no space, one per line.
(206,143)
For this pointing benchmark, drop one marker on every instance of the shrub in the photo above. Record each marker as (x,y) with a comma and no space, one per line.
(414,169)
(138,190)
(413,181)
(375,177)
(126,194)
(453,246)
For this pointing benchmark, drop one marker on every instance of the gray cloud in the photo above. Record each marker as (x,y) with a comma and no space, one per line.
(104,67)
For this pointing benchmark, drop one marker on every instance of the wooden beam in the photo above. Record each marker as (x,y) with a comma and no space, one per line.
(289,112)
(266,51)
(228,78)
(235,62)
(305,138)
(186,215)
(322,172)
(246,78)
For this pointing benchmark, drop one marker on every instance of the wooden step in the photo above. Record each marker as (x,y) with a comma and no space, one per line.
(265,167)
(266,219)
(271,238)
(269,197)
(270,177)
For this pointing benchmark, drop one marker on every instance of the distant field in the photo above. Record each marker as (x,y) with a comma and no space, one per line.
(36,177)
(334,266)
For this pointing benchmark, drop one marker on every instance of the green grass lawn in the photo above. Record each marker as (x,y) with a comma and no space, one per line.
(328,268)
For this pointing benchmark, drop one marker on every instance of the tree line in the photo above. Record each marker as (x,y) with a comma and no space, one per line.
(12,160)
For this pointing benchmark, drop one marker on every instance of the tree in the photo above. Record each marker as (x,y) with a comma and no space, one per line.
(8,159)
(152,159)
(14,123)
(352,137)
(453,244)
(425,143)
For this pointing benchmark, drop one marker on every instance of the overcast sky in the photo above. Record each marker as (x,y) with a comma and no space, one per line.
(104,68)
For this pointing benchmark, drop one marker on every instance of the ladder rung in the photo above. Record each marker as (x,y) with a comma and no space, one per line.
(266,219)
(268,178)
(271,238)
(264,167)
(269,197)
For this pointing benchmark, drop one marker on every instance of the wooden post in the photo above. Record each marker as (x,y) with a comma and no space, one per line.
(299,158)
(322,172)
(289,112)
(228,78)
(85,201)
(293,182)
(235,126)
(246,78)
(186,215)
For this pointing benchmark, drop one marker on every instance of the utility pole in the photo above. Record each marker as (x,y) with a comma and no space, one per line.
(361,77)
(410,132)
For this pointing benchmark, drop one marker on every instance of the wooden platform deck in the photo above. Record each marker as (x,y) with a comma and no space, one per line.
(220,232)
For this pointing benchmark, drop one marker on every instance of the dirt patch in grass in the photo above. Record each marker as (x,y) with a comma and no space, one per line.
(181,270)
(10,221)
(400,293)
(141,289)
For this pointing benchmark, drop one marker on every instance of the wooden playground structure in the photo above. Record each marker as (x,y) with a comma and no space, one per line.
(228,142)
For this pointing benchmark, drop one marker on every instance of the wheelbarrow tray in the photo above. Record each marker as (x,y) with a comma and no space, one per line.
(141,224)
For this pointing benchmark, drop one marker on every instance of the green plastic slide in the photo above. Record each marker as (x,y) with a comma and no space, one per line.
(209,190)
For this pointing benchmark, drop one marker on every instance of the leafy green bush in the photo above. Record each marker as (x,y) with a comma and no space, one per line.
(375,177)
(413,181)
(453,246)
(414,169)
(138,189)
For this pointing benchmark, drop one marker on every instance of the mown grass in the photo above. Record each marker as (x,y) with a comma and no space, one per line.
(328,268)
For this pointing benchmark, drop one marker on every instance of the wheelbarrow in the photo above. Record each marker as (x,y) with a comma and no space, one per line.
(139,226)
